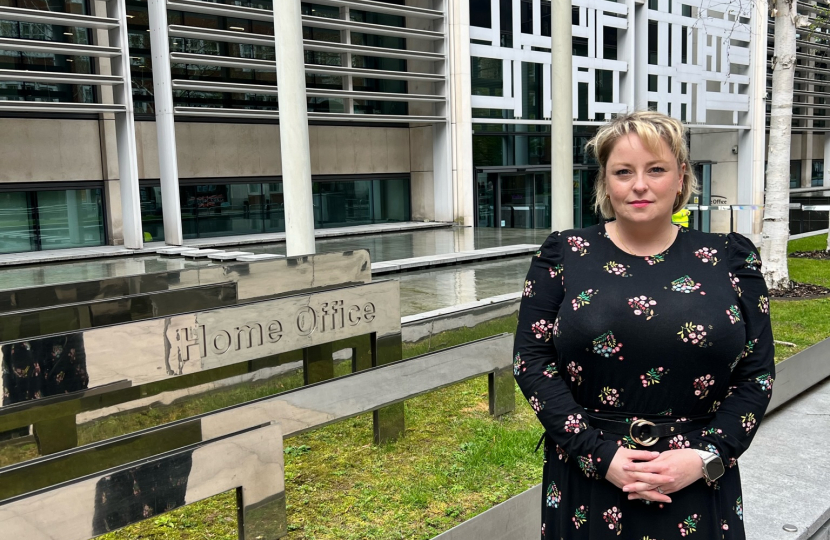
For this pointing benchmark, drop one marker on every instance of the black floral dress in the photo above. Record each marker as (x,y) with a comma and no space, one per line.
(684,334)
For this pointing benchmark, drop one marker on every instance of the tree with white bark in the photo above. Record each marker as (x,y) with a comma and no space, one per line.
(775,232)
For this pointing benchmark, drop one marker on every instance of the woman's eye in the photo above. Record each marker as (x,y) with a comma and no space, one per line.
(658,170)
(622,172)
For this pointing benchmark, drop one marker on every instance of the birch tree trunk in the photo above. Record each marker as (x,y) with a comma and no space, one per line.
(775,232)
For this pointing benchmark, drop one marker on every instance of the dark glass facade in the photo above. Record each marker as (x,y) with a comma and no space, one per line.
(225,209)
(142,75)
(50,219)
(45,61)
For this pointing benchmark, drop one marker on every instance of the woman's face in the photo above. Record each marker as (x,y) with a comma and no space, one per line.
(642,186)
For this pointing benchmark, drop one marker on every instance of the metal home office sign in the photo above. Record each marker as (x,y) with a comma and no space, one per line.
(220,337)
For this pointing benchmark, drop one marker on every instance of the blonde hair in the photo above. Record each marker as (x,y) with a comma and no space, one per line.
(651,127)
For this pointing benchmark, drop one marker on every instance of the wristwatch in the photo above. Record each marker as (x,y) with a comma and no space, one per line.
(712,465)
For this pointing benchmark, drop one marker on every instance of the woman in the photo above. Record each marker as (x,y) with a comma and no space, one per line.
(646,351)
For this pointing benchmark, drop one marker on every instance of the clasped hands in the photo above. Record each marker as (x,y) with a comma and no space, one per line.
(641,472)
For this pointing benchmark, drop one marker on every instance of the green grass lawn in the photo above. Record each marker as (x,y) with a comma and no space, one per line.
(454,461)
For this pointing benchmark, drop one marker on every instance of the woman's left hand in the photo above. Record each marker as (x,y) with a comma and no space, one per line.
(685,466)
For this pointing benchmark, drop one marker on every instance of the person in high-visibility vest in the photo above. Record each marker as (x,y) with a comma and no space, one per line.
(681,217)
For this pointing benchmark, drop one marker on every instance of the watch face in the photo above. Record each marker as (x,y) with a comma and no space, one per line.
(714,469)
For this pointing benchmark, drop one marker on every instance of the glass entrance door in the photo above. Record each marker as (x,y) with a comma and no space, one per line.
(516,200)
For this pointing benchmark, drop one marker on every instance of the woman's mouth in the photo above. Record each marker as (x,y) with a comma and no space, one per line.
(639,204)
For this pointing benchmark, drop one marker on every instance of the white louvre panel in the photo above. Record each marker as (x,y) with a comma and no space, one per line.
(268,65)
(52,17)
(59,107)
(339,117)
(812,74)
(428,50)
(52,77)
(51,47)
(113,49)
(211,86)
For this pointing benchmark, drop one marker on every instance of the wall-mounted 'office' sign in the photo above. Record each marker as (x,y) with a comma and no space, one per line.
(155,349)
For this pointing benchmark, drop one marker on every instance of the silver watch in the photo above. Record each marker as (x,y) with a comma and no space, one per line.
(712,465)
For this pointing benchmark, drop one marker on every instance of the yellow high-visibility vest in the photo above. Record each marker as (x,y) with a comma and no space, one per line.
(681,217)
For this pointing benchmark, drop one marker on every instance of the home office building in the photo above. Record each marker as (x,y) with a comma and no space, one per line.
(127,121)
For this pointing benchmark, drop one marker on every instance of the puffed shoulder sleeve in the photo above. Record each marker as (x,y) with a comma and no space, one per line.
(535,364)
(750,385)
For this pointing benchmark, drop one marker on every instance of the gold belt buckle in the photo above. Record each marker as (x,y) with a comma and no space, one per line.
(641,422)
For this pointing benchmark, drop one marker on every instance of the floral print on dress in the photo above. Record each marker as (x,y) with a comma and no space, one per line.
(580,516)
(685,285)
(555,270)
(555,330)
(574,423)
(528,290)
(763,304)
(543,329)
(554,496)
(706,255)
(653,376)
(753,262)
(610,396)
(575,371)
(694,334)
(679,442)
(583,299)
(518,365)
(734,280)
(643,305)
(712,432)
(551,371)
(748,421)
(734,314)
(613,517)
(561,454)
(586,465)
(689,525)
(535,404)
(617,269)
(607,345)
(739,508)
(579,245)
(702,385)
(654,259)
(765,381)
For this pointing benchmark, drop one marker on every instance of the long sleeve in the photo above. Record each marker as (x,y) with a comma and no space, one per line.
(535,365)
(750,385)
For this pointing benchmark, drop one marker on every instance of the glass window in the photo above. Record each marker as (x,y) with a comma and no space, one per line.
(210,210)
(527,16)
(652,42)
(480,13)
(506,23)
(532,97)
(604,87)
(38,220)
(487,77)
(817,176)
(221,209)
(17,223)
(795,173)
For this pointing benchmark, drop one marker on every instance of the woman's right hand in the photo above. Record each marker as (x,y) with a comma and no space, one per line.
(619,477)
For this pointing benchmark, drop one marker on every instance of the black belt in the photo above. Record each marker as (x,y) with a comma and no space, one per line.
(645,432)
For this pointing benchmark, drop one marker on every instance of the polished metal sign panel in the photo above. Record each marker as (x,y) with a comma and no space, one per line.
(296,411)
(250,461)
(256,280)
(152,350)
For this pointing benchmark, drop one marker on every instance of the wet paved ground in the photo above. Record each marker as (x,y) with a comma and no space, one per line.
(420,291)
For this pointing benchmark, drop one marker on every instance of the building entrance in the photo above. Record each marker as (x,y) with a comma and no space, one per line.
(520,199)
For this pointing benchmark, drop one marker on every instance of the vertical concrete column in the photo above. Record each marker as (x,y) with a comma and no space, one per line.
(461,112)
(165,125)
(826,181)
(562,114)
(441,142)
(294,145)
(752,142)
(639,57)
(125,130)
